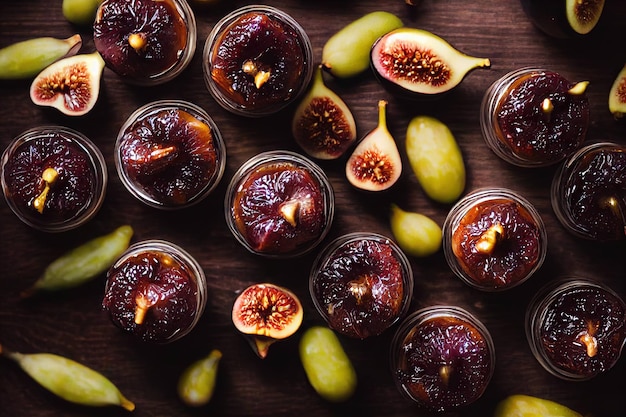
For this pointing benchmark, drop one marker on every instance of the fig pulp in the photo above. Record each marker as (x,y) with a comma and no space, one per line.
(419,63)
(323,125)
(267,313)
(71,85)
(617,95)
(564,18)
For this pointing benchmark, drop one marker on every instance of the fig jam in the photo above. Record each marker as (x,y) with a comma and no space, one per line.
(494,239)
(589,192)
(279,204)
(361,284)
(170,154)
(577,329)
(155,291)
(53,178)
(442,358)
(535,117)
(257,60)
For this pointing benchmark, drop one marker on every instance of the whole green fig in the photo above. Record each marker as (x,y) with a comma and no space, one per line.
(528,406)
(80,12)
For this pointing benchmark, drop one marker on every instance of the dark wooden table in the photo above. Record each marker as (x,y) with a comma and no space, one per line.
(72,323)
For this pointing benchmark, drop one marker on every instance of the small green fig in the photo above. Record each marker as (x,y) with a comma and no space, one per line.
(197,383)
(528,406)
(80,12)
(416,234)
(617,95)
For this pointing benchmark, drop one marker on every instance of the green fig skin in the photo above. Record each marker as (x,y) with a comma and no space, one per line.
(80,12)
(529,406)
(617,95)
(557,18)
(417,234)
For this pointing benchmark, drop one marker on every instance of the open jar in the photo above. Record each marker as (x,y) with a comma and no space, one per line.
(53,178)
(170,154)
(155,291)
(257,60)
(576,328)
(361,284)
(442,357)
(534,117)
(494,239)
(279,204)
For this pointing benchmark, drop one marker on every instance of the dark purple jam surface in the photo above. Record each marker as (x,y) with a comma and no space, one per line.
(578,314)
(165,282)
(589,187)
(535,135)
(271,46)
(158,21)
(170,155)
(262,195)
(445,363)
(360,287)
(515,253)
(69,195)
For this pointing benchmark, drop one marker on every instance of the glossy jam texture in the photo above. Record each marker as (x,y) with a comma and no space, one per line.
(157,27)
(279,208)
(161,282)
(513,252)
(583,331)
(258,61)
(594,193)
(445,363)
(360,288)
(66,196)
(171,155)
(538,133)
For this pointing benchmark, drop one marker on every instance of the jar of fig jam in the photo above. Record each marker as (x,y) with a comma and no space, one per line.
(170,154)
(53,178)
(534,117)
(155,291)
(257,60)
(576,328)
(279,204)
(442,357)
(589,192)
(145,42)
(361,284)
(494,239)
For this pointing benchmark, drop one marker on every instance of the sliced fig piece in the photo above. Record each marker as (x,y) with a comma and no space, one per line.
(583,15)
(617,95)
(266,313)
(564,18)
(375,164)
(71,85)
(323,125)
(420,63)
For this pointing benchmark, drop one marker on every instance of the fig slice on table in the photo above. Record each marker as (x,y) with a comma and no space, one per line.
(617,95)
(71,85)
(583,16)
(266,313)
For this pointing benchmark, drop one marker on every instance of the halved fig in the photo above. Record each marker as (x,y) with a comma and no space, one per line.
(617,95)
(70,85)
(266,313)
(564,18)
(375,164)
(323,125)
(420,63)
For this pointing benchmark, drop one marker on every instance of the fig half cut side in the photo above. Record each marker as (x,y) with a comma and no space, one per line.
(583,15)
(266,313)
(617,95)
(564,18)
(420,63)
(71,85)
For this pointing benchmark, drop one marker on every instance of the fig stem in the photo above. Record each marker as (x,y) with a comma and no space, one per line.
(260,76)
(360,289)
(489,239)
(590,342)
(547,107)
(444,374)
(142,304)
(289,212)
(579,88)
(137,41)
(49,176)
(382,114)
(161,153)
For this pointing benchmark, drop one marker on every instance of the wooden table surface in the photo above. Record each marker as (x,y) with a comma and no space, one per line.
(72,323)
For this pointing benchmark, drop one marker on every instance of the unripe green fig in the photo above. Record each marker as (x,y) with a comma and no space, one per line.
(416,234)
(435,158)
(347,53)
(197,382)
(528,406)
(80,12)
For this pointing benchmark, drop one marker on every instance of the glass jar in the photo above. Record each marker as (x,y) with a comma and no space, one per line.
(257,60)
(144,52)
(170,154)
(576,328)
(155,291)
(494,239)
(589,192)
(533,117)
(279,204)
(54,178)
(361,284)
(442,357)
